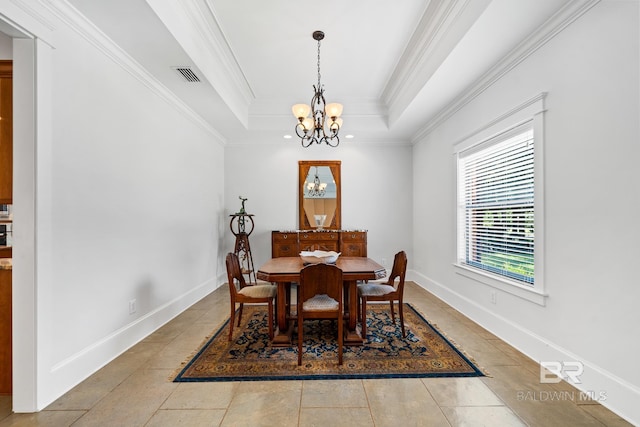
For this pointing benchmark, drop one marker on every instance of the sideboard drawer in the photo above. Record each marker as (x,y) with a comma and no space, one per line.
(279,236)
(353,243)
(284,249)
(323,241)
(319,236)
(353,236)
(284,244)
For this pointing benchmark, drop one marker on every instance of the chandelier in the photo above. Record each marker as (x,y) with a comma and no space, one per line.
(316,188)
(311,128)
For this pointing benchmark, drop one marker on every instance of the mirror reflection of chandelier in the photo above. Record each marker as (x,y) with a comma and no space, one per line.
(316,188)
(324,122)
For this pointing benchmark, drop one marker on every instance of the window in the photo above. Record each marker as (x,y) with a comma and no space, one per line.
(500,202)
(496,205)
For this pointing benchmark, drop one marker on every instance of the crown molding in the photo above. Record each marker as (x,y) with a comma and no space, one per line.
(31,11)
(215,38)
(194,26)
(547,31)
(86,29)
(21,19)
(441,27)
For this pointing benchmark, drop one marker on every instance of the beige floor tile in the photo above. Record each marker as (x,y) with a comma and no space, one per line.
(487,416)
(187,418)
(171,330)
(461,392)
(265,403)
(480,331)
(172,356)
(335,417)
(133,402)
(605,416)
(86,394)
(543,413)
(347,393)
(535,403)
(515,355)
(216,395)
(402,400)
(215,317)
(483,352)
(42,419)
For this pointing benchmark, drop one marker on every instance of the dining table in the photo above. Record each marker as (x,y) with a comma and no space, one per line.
(285,271)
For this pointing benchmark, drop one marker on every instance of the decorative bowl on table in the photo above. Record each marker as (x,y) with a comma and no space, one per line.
(319,257)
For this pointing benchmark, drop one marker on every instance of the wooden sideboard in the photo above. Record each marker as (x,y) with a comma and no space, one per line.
(291,243)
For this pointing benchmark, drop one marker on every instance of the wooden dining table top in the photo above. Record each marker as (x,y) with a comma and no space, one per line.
(287,269)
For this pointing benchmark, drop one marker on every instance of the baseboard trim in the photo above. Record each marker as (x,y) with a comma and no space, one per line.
(69,372)
(620,396)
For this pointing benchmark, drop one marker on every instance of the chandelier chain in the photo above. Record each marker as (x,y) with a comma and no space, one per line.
(318,65)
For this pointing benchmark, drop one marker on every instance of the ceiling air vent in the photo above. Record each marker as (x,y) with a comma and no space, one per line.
(187,74)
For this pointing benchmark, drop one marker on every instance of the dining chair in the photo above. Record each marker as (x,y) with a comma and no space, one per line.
(241,293)
(391,290)
(320,294)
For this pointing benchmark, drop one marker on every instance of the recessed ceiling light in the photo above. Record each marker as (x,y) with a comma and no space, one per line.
(349,136)
(287,136)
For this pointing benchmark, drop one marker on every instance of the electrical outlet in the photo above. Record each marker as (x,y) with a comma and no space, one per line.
(494,297)
(132,306)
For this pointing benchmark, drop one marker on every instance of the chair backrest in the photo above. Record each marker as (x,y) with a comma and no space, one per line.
(398,271)
(319,279)
(234,273)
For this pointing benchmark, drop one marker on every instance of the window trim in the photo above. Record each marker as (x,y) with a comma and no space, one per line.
(531,110)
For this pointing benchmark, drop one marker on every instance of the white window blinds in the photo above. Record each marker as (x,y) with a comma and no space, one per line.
(496,205)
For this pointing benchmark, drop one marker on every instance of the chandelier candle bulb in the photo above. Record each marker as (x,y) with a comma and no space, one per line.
(301,111)
(334,110)
(335,125)
(308,124)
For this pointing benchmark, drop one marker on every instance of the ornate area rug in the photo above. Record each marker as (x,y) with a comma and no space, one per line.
(425,352)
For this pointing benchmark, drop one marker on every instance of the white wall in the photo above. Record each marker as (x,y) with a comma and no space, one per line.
(6,49)
(591,73)
(376,192)
(129,189)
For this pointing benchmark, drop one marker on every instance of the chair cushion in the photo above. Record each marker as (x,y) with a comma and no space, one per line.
(259,291)
(320,303)
(375,289)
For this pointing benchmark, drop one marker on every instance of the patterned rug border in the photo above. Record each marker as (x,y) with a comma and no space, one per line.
(477,372)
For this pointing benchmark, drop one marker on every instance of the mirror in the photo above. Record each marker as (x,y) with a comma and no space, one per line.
(319,194)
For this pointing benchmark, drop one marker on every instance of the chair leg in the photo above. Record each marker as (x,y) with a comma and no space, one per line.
(364,318)
(404,334)
(300,338)
(270,303)
(340,337)
(240,314)
(393,315)
(232,319)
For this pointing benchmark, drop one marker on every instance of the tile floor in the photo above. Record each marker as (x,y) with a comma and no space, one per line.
(135,389)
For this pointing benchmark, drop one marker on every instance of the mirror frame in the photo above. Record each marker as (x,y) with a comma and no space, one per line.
(303,171)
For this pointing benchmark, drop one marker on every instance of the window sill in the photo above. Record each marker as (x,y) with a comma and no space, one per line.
(509,286)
